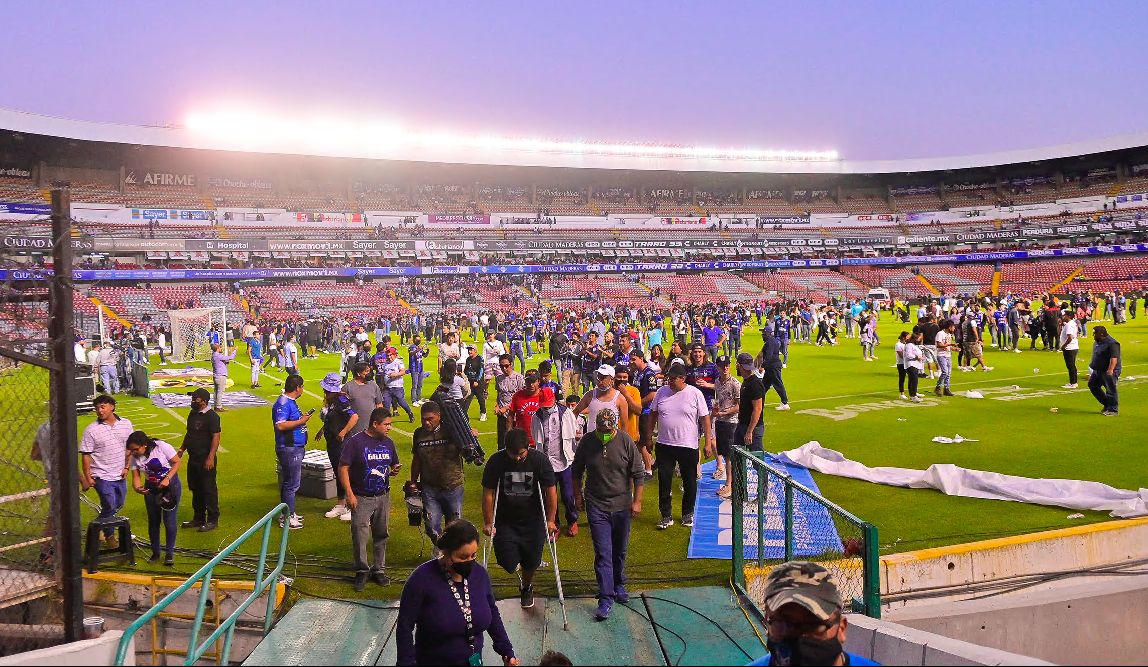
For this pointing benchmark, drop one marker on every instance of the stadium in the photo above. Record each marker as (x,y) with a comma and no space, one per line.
(988,510)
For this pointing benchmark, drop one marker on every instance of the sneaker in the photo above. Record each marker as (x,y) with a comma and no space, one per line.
(361,579)
(665,523)
(688,521)
(337,511)
(482,417)
(1070,385)
(194,523)
(782,407)
(947,392)
(868,359)
(526,596)
(649,475)
(915,399)
(904,397)
(154,558)
(785,365)
(381,578)
(1110,413)
(621,595)
(987,368)
(937,391)
(295,523)
(1016,350)
(604,607)
(169,560)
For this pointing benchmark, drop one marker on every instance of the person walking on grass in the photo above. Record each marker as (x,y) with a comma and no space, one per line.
(679,412)
(914,364)
(946,341)
(608,485)
(201,444)
(155,475)
(1105,370)
(219,362)
(513,479)
(339,420)
(367,462)
(1070,345)
(255,359)
(725,412)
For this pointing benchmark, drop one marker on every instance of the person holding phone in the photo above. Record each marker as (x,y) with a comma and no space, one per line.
(366,465)
(290,442)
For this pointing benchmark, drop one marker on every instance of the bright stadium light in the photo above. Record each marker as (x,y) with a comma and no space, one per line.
(251,130)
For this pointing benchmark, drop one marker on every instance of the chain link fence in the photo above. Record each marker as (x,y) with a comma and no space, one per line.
(776,519)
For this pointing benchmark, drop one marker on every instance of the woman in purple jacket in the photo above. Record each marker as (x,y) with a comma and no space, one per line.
(448,604)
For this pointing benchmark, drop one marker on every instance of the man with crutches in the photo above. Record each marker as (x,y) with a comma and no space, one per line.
(608,478)
(512,482)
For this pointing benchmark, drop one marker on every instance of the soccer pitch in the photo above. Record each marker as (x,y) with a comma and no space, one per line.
(837,398)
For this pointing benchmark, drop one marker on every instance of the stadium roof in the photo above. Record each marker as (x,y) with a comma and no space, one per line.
(523,155)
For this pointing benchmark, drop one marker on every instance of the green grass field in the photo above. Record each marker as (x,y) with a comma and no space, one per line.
(1020,437)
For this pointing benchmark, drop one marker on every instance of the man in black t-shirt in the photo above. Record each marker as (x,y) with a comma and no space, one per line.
(750,431)
(202,444)
(517,474)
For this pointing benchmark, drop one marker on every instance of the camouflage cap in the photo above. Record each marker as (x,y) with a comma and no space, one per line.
(806,584)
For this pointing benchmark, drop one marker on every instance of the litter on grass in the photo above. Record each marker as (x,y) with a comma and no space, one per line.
(958,438)
(1075,516)
(973,394)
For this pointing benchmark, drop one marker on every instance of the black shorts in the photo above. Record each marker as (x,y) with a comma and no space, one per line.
(514,546)
(723,433)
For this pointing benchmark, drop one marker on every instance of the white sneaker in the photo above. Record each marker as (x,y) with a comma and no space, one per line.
(482,417)
(1069,386)
(785,365)
(1017,351)
(987,368)
(295,523)
(915,399)
(904,397)
(783,406)
(345,516)
(337,511)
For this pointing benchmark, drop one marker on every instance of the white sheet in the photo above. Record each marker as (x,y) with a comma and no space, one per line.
(956,481)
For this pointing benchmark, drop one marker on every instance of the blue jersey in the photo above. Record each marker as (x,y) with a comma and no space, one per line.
(285,409)
(415,357)
(781,327)
(213,337)
(255,346)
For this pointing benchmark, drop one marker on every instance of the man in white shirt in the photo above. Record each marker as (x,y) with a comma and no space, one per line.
(946,343)
(291,356)
(677,411)
(395,370)
(1069,344)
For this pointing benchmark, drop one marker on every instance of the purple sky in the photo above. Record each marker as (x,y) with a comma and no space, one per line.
(872,80)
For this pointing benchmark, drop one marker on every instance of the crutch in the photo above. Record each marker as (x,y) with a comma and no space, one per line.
(554,558)
(487,539)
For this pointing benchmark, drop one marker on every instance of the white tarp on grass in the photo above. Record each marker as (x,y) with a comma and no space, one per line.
(956,481)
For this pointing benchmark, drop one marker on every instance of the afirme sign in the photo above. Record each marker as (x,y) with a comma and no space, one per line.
(160,178)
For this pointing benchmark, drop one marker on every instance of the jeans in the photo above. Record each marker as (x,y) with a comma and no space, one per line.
(1070,363)
(686,459)
(610,532)
(772,378)
(440,506)
(204,489)
(1103,387)
(516,353)
(156,516)
(110,376)
(784,340)
(416,383)
(369,523)
(394,395)
(112,493)
(256,367)
(945,362)
(902,374)
(757,442)
(566,493)
(712,352)
(503,427)
(290,473)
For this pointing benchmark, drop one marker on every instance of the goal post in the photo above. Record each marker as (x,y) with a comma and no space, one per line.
(191,332)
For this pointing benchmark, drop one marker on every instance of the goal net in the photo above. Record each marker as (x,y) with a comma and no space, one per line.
(191,332)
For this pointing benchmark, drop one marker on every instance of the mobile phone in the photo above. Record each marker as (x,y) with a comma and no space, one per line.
(311,411)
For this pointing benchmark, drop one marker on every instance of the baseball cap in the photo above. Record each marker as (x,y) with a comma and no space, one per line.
(531,376)
(723,360)
(697,346)
(332,382)
(201,393)
(606,370)
(745,359)
(607,418)
(806,584)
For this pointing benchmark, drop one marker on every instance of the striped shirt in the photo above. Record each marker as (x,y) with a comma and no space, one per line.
(107,444)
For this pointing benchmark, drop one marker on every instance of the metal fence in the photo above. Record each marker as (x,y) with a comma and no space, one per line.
(40,586)
(776,519)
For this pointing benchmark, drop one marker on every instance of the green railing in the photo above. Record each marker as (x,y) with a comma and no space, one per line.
(826,534)
(263,581)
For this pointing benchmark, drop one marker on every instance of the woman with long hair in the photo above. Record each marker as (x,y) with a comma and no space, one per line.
(155,468)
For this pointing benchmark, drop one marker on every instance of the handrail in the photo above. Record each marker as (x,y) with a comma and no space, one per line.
(870,601)
(195,650)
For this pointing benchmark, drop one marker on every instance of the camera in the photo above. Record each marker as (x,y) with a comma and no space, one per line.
(458,425)
(414,500)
